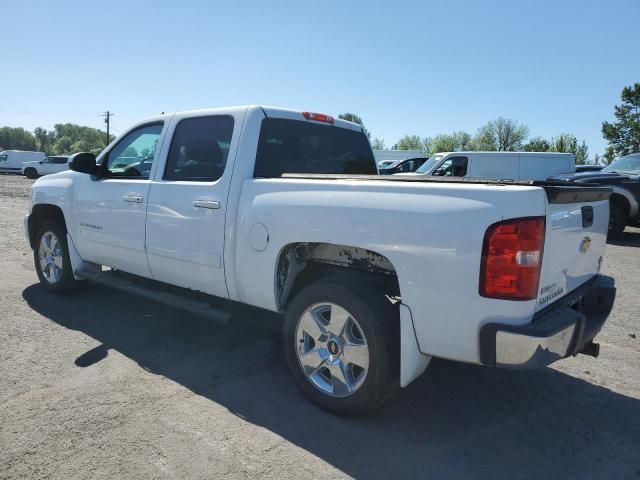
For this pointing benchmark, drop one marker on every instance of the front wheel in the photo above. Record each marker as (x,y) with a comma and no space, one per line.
(342,346)
(31,173)
(51,258)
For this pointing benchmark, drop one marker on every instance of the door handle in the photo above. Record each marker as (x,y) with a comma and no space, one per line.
(133,198)
(210,204)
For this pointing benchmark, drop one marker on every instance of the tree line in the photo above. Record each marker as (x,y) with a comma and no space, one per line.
(505,134)
(63,139)
(502,134)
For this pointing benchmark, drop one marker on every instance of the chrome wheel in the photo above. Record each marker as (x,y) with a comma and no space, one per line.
(332,349)
(50,257)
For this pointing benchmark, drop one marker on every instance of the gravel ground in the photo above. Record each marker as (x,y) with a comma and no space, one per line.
(104,385)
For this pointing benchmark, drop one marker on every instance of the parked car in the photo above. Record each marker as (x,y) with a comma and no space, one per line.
(500,165)
(375,275)
(403,166)
(11,160)
(623,177)
(46,166)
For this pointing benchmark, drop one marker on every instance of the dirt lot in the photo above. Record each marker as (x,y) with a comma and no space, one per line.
(104,385)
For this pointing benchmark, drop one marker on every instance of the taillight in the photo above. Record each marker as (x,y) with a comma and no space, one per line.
(512,258)
(318,117)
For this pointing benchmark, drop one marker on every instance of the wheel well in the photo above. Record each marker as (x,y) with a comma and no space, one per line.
(621,201)
(41,213)
(302,263)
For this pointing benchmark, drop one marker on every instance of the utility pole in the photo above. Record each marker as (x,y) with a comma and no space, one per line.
(107,115)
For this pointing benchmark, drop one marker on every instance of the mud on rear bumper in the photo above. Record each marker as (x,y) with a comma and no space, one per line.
(564,328)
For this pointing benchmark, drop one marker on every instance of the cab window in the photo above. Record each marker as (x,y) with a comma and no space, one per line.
(293,146)
(132,157)
(199,149)
(452,167)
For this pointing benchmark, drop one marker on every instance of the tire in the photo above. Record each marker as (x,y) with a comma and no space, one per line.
(31,173)
(617,220)
(372,322)
(51,259)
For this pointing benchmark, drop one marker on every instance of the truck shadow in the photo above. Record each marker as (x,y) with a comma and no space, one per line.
(628,238)
(455,421)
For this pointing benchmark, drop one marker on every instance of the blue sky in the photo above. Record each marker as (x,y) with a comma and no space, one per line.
(422,67)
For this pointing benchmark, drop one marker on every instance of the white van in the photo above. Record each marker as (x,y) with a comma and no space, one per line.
(501,165)
(11,160)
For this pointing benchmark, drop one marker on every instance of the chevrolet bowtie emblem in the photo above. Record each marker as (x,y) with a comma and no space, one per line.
(584,245)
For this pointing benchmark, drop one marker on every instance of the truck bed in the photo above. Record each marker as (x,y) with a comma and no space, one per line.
(557,191)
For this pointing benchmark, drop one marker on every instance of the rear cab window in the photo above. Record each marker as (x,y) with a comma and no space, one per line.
(294,146)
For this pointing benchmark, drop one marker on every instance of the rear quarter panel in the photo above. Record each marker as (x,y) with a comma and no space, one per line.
(431,233)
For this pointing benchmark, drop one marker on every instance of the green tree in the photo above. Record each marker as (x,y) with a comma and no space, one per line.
(609,155)
(377,144)
(70,138)
(410,142)
(623,135)
(454,142)
(502,135)
(16,139)
(537,144)
(43,140)
(568,143)
(352,117)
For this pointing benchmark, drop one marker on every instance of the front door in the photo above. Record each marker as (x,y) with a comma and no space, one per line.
(187,204)
(112,210)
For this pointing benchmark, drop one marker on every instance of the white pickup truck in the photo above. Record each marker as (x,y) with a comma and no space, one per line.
(375,275)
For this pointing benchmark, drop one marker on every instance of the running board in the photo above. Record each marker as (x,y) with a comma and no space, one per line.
(119,281)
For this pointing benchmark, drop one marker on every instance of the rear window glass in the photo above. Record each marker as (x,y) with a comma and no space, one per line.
(292,146)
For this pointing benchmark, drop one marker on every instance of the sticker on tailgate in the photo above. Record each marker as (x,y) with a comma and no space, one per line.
(550,292)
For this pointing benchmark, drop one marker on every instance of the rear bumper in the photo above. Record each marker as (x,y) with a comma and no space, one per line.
(562,329)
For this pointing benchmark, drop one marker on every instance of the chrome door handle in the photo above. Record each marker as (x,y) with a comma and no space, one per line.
(211,204)
(132,198)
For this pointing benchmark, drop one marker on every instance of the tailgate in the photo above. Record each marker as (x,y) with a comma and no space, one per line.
(576,234)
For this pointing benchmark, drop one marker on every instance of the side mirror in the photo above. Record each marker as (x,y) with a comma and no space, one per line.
(83,162)
(41,162)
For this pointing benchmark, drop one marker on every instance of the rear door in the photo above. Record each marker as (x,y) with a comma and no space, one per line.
(188,202)
(576,233)
(59,164)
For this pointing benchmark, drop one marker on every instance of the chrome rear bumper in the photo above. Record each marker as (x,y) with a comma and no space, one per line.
(567,327)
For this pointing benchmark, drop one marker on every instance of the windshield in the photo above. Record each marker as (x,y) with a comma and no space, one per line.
(385,163)
(628,165)
(429,164)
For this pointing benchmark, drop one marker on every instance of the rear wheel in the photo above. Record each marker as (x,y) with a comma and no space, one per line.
(31,173)
(51,258)
(617,219)
(341,341)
